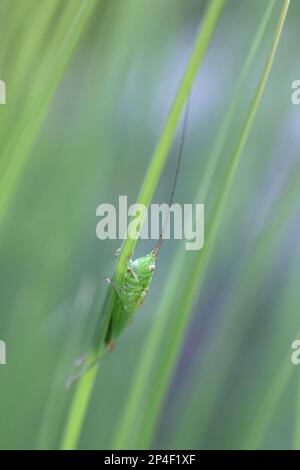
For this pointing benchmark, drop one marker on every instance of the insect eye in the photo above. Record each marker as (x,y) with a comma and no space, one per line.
(152,267)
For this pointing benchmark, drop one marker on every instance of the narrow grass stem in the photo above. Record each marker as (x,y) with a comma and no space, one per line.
(17,152)
(80,402)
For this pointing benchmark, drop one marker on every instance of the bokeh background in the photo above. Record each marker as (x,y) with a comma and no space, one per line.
(88,89)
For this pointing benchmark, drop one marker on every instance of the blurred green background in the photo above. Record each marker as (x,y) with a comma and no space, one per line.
(89,84)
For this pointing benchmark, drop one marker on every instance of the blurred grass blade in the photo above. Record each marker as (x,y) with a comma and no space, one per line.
(269,404)
(223,133)
(163,346)
(296,437)
(161,152)
(17,149)
(249,285)
(179,264)
(47,434)
(84,388)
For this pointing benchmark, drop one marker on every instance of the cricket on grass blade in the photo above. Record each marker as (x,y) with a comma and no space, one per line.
(134,282)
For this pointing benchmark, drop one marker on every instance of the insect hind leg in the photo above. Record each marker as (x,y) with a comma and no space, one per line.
(113,285)
(116,288)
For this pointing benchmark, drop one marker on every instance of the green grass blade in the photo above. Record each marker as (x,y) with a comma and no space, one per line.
(237,313)
(80,403)
(223,134)
(269,404)
(146,396)
(78,409)
(161,152)
(296,437)
(16,151)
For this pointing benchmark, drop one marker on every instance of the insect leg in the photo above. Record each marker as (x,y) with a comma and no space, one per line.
(131,269)
(109,281)
(142,298)
(117,290)
(117,252)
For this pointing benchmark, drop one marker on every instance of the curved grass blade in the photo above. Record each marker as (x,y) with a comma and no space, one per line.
(16,150)
(248,286)
(84,388)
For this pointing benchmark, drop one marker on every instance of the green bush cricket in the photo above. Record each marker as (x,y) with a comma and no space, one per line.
(137,277)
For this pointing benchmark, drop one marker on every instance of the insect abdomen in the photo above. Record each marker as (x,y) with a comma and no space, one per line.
(131,292)
(134,292)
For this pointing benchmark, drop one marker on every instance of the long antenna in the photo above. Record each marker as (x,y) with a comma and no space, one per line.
(180,153)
